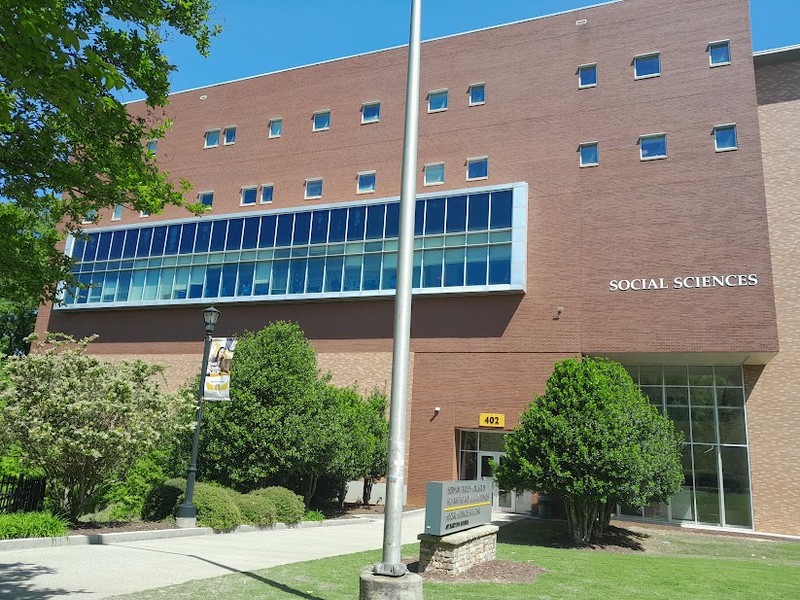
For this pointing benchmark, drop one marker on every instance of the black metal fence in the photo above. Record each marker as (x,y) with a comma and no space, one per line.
(21,494)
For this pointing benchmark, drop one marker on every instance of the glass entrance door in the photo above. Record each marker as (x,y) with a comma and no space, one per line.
(500,500)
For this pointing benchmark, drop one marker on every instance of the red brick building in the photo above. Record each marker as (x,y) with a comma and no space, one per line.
(590,183)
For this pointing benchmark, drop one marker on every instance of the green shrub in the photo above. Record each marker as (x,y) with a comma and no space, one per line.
(31,525)
(216,507)
(289,505)
(163,499)
(314,515)
(257,510)
(127,498)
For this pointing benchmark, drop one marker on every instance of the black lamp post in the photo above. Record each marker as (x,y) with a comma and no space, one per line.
(187,513)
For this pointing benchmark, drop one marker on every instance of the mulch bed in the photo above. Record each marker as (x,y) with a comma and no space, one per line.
(495,571)
(97,527)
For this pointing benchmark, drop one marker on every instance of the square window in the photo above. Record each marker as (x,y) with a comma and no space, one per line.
(117,214)
(144,213)
(206,198)
(230,135)
(434,174)
(212,138)
(313,188)
(652,147)
(437,101)
(90,217)
(366,182)
(587,76)
(249,196)
(477,94)
(322,120)
(589,154)
(266,193)
(275,128)
(152,146)
(719,53)
(647,65)
(725,138)
(370,112)
(477,168)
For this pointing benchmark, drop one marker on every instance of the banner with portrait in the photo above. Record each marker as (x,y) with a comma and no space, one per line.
(218,374)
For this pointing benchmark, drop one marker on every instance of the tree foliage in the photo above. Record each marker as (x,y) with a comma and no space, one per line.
(593,438)
(85,422)
(68,146)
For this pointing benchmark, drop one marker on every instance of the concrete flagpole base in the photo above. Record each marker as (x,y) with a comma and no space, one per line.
(381,587)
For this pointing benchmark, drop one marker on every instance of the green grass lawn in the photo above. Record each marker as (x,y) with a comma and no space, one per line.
(641,563)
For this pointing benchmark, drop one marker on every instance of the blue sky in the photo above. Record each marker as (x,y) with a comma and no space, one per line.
(260,36)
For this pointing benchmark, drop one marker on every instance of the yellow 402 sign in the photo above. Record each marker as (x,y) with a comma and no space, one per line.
(492,420)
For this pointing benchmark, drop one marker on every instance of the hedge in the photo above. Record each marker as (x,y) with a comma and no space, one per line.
(31,525)
(289,505)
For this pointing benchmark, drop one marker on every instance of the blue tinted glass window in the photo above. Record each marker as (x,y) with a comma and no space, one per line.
(720,53)
(218,231)
(352,272)
(416,270)
(434,174)
(266,238)
(249,195)
(250,237)
(647,66)
(478,168)
(338,225)
(285,223)
(302,223)
(653,146)
(476,265)
(724,139)
(333,273)
(375,215)
(123,286)
(129,251)
(196,282)
(103,245)
(207,198)
(187,238)
(230,135)
(355,223)
(590,155)
(316,268)
(262,277)
(159,241)
(434,215)
(371,113)
(319,226)
(456,214)
(234,241)
(366,182)
(203,238)
(212,138)
(432,268)
(322,120)
(437,101)
(389,277)
(372,272)
(500,264)
(228,280)
(213,274)
(145,237)
(280,273)
(419,217)
(392,219)
(454,267)
(90,252)
(502,206)
(173,239)
(116,245)
(245,285)
(587,76)
(78,249)
(275,128)
(297,276)
(477,94)
(478,216)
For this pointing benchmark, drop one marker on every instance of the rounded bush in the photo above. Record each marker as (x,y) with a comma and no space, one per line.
(216,505)
(289,505)
(163,499)
(257,510)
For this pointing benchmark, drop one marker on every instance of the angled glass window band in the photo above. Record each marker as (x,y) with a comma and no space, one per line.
(725,138)
(437,101)
(117,214)
(152,146)
(477,168)
(370,112)
(321,120)
(275,128)
(212,138)
(313,188)
(587,76)
(206,198)
(653,146)
(719,53)
(230,135)
(366,182)
(589,154)
(249,196)
(477,94)
(267,191)
(434,174)
(647,65)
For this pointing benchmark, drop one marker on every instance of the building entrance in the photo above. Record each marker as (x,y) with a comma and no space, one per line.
(477,450)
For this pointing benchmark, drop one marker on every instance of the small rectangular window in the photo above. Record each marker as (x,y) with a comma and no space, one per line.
(647,65)
(477,94)
(437,101)
(117,214)
(313,188)
(370,112)
(725,138)
(366,182)
(275,128)
(230,135)
(589,154)
(144,213)
(719,53)
(477,168)
(249,196)
(152,146)
(206,198)
(212,138)
(587,76)
(653,146)
(89,217)
(434,174)
(322,120)
(266,193)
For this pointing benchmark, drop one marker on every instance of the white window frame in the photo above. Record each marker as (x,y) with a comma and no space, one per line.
(200,198)
(270,135)
(444,91)
(261,194)
(469,92)
(206,145)
(114,216)
(650,136)
(475,159)
(314,120)
(580,154)
(241,196)
(143,213)
(90,217)
(225,131)
(718,43)
(305,191)
(425,181)
(373,103)
(646,55)
(358,182)
(589,85)
(735,133)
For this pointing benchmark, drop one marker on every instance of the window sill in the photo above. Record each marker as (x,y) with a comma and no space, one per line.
(654,75)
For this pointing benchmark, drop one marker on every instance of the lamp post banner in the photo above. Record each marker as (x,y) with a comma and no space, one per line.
(217,384)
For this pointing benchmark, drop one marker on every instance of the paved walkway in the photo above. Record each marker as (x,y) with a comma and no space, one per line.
(100,571)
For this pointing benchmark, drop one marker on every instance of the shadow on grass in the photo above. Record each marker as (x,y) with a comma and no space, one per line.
(554,534)
(16,581)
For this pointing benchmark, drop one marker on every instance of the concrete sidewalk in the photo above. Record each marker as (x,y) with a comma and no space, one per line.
(100,571)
